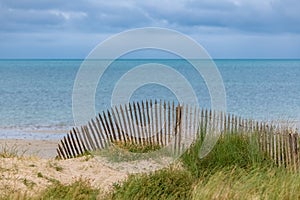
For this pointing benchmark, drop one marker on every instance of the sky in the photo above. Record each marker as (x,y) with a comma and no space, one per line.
(225,28)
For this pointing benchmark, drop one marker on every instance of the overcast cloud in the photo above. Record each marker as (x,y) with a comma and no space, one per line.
(226,28)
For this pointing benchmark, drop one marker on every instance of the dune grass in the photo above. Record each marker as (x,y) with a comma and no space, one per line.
(11,151)
(126,152)
(234,169)
(136,148)
(254,183)
(170,183)
(79,189)
(231,150)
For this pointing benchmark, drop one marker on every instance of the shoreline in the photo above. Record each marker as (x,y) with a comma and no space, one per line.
(32,134)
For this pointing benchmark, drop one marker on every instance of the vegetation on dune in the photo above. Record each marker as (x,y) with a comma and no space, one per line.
(170,183)
(234,169)
(10,152)
(231,150)
(255,183)
(136,148)
(80,189)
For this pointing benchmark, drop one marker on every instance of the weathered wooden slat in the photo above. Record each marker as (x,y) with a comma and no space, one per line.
(186,124)
(176,128)
(295,152)
(88,146)
(262,142)
(202,124)
(153,129)
(160,124)
(271,140)
(104,125)
(285,148)
(215,123)
(290,150)
(165,124)
(192,124)
(293,155)
(206,121)
(156,123)
(71,146)
(111,126)
(125,133)
(288,158)
(61,152)
(145,125)
(137,125)
(75,146)
(174,116)
(67,148)
(210,118)
(89,137)
(93,136)
(98,133)
(133,134)
(180,134)
(274,139)
(280,147)
(121,128)
(85,149)
(79,146)
(108,128)
(149,122)
(197,129)
(116,126)
(169,123)
(225,124)
(141,124)
(236,124)
(130,128)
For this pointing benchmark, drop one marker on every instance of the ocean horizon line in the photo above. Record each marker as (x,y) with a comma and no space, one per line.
(126,59)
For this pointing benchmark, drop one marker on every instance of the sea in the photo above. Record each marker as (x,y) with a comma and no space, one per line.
(36,95)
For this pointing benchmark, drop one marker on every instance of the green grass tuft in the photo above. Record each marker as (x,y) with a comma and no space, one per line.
(256,183)
(231,150)
(80,189)
(137,148)
(163,184)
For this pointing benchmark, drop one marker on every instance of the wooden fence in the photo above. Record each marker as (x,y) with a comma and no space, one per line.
(166,124)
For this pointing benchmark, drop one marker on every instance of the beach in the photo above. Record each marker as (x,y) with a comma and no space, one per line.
(40,148)
(35,168)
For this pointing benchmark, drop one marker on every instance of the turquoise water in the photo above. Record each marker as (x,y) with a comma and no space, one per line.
(36,95)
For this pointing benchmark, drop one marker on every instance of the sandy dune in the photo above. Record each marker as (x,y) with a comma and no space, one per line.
(37,168)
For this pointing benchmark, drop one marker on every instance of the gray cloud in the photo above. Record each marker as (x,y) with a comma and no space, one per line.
(239,15)
(43,28)
(94,16)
